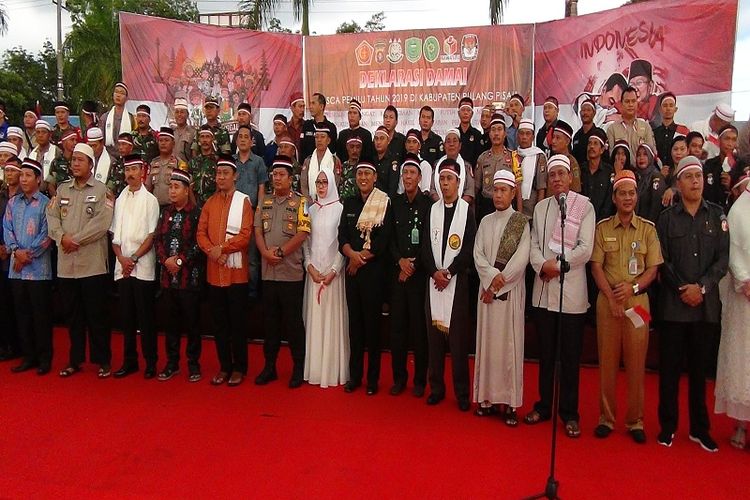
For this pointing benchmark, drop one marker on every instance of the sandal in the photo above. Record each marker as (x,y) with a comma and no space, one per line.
(510,417)
(69,371)
(534,417)
(738,439)
(219,378)
(194,377)
(572,430)
(104,371)
(485,411)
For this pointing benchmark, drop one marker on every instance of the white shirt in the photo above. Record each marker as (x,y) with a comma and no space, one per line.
(547,294)
(136,216)
(704,128)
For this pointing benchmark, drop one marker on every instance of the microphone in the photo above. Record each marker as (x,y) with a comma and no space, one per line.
(562,199)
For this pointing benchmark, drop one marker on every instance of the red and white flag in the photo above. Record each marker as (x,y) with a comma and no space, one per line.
(639,316)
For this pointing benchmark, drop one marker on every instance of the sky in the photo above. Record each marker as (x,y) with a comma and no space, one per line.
(34,21)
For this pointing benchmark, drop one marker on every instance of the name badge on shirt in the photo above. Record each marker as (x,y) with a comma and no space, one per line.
(64,201)
(91,199)
(633,262)
(414,236)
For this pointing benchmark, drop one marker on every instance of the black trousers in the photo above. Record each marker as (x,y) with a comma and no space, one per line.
(408,324)
(183,313)
(9,338)
(457,341)
(676,340)
(364,298)
(282,310)
(229,305)
(137,313)
(86,305)
(33,305)
(570,358)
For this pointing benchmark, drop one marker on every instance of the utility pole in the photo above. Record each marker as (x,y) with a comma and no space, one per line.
(60,87)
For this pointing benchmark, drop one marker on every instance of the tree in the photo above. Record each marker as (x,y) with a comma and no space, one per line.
(26,78)
(3,21)
(260,10)
(497,9)
(374,24)
(92,48)
(350,27)
(275,26)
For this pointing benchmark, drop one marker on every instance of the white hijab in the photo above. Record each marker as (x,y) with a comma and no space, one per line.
(325,214)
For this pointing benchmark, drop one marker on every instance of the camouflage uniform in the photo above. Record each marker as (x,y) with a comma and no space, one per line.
(348,182)
(59,171)
(57,133)
(222,142)
(146,146)
(116,178)
(203,170)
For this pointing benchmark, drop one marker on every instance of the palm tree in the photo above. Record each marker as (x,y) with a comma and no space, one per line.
(497,9)
(3,20)
(259,11)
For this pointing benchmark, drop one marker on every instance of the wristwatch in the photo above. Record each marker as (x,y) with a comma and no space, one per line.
(449,276)
(178,261)
(134,258)
(636,288)
(703,289)
(280,252)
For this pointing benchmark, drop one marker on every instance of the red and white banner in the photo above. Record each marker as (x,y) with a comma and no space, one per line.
(415,68)
(163,59)
(682,46)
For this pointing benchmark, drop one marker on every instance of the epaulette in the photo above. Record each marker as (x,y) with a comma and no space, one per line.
(605,220)
(643,219)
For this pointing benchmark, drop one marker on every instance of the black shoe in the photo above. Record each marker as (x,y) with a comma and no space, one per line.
(665,438)
(168,373)
(149,372)
(602,431)
(9,355)
(705,441)
(23,367)
(125,371)
(638,435)
(397,388)
(351,386)
(43,370)
(296,382)
(267,375)
(434,399)
(463,404)
(372,389)
(418,391)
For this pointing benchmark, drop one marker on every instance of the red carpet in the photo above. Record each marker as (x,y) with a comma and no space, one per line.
(89,438)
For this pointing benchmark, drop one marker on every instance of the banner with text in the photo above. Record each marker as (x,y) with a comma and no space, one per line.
(682,46)
(414,68)
(163,59)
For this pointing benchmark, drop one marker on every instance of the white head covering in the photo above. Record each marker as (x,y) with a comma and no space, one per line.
(84,148)
(325,215)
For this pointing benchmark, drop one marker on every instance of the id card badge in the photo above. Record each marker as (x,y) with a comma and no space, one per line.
(414,236)
(633,262)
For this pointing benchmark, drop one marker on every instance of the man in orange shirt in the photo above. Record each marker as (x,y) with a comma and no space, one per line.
(223,234)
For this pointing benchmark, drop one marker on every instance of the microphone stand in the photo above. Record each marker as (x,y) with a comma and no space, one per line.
(550,489)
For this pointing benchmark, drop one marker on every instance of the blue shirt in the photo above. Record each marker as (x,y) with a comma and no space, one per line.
(271,149)
(511,135)
(25,228)
(250,175)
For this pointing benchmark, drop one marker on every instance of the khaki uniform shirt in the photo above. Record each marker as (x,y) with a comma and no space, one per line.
(159,174)
(487,164)
(183,140)
(85,214)
(280,219)
(615,246)
(639,132)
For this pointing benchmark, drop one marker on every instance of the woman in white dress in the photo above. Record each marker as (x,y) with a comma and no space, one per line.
(733,371)
(325,312)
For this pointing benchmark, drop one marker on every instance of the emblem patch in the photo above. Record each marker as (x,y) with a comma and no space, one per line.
(90,210)
(454,241)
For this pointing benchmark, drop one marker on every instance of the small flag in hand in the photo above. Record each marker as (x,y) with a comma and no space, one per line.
(638,316)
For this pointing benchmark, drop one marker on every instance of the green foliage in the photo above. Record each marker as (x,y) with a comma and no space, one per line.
(374,24)
(92,48)
(350,27)
(275,25)
(26,78)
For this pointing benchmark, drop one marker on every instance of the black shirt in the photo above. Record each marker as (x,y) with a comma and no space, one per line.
(485,143)
(651,187)
(397,146)
(581,143)
(598,188)
(695,250)
(663,138)
(541,136)
(349,234)
(470,144)
(388,170)
(408,216)
(368,150)
(259,143)
(713,191)
(307,143)
(465,257)
(432,149)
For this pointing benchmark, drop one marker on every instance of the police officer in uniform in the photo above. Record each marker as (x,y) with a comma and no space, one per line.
(498,157)
(624,263)
(160,173)
(78,220)
(695,244)
(281,226)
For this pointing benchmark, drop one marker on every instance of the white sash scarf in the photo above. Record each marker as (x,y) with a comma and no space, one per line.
(461,176)
(528,169)
(110,139)
(45,160)
(101,170)
(441,302)
(315,167)
(234,224)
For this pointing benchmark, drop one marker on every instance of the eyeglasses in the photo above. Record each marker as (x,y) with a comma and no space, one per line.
(321,183)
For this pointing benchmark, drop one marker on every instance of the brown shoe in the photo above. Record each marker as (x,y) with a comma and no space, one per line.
(235,379)
(219,378)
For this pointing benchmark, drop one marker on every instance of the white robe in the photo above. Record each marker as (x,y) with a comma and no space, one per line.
(733,369)
(498,364)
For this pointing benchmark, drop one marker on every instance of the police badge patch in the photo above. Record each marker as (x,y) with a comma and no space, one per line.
(655,184)
(710,179)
